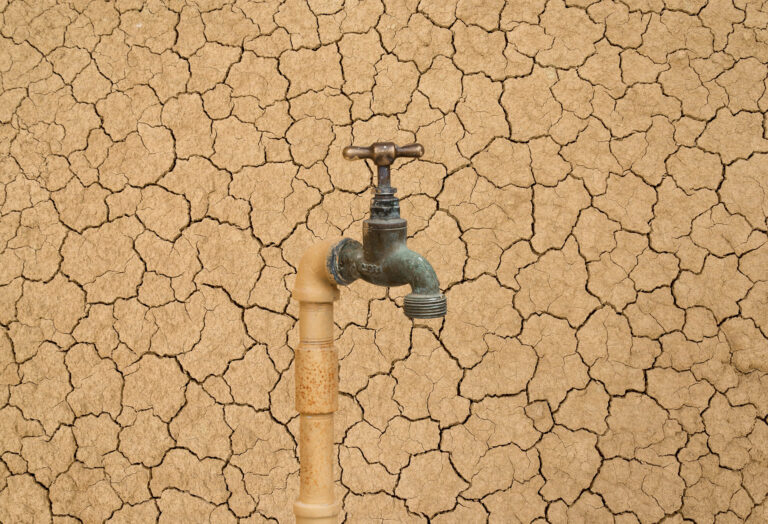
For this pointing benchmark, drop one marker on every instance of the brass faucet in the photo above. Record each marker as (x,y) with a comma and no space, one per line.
(383,258)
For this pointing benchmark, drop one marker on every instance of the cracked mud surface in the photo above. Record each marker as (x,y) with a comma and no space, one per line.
(593,196)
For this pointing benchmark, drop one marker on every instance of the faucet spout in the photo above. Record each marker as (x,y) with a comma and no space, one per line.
(418,271)
(425,299)
(391,264)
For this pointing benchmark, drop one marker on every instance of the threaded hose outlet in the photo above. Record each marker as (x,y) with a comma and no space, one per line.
(425,306)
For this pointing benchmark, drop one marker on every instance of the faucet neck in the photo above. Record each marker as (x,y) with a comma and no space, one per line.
(383,176)
(385,205)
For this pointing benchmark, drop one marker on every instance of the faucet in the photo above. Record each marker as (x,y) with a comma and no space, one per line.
(382,259)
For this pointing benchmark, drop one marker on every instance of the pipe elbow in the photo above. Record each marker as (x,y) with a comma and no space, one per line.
(314,282)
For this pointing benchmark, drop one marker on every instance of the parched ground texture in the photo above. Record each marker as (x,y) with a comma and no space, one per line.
(593,196)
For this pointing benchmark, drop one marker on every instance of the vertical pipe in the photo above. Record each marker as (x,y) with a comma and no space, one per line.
(317,386)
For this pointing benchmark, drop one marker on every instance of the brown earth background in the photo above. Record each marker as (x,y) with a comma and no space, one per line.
(593,196)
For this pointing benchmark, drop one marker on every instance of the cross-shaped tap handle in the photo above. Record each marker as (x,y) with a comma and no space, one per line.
(383,154)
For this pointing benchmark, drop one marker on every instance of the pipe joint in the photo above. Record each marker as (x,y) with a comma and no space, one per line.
(314,282)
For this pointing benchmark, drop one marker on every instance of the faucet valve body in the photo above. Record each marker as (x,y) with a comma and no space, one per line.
(383,258)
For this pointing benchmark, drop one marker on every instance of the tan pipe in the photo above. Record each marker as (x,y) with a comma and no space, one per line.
(317,387)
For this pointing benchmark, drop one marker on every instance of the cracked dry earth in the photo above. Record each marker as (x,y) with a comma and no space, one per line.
(593,195)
